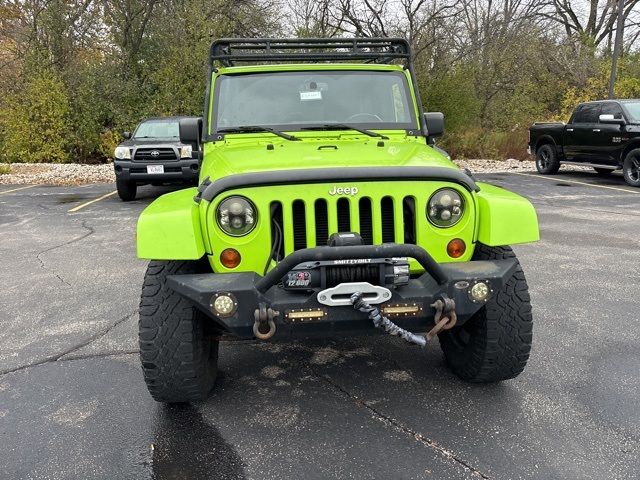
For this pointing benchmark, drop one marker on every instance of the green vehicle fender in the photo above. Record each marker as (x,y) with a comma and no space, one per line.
(504,217)
(169,228)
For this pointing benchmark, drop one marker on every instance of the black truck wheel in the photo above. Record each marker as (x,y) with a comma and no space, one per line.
(179,356)
(494,344)
(547,160)
(126,190)
(631,168)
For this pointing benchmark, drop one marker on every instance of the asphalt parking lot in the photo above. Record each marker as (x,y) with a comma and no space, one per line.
(73,403)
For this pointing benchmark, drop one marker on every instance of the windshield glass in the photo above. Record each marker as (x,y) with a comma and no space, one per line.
(634,110)
(294,100)
(157,129)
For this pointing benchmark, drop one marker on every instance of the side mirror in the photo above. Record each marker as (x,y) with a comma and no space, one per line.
(609,118)
(435,123)
(126,135)
(191,131)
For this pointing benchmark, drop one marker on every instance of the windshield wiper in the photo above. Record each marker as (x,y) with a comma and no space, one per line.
(159,138)
(344,126)
(257,128)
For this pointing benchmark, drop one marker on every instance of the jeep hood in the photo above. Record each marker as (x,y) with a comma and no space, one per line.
(242,157)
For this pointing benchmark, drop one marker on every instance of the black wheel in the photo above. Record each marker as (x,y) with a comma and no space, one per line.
(126,190)
(494,344)
(178,354)
(547,160)
(603,171)
(631,168)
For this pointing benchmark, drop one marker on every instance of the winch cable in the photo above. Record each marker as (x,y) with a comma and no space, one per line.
(443,321)
(277,244)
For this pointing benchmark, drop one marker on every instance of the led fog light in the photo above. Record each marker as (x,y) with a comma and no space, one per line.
(479,292)
(224,304)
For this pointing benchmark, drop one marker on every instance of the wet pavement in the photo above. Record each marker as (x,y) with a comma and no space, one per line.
(73,403)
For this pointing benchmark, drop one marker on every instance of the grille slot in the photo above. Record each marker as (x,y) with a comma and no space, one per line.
(366,221)
(299,225)
(277,229)
(386,210)
(322,222)
(409,219)
(344,217)
(146,154)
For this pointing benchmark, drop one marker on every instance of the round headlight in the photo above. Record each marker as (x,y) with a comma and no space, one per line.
(236,216)
(122,153)
(445,208)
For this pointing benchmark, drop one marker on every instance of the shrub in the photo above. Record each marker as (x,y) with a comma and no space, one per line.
(479,143)
(35,121)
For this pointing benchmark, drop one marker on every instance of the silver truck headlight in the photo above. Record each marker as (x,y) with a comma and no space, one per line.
(122,153)
(236,216)
(445,208)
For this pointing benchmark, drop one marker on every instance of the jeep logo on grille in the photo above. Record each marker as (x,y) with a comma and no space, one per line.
(155,153)
(343,191)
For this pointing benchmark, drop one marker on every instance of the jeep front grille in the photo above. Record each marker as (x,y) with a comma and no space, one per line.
(148,155)
(309,223)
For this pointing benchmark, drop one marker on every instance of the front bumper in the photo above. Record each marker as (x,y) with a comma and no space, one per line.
(179,170)
(253,293)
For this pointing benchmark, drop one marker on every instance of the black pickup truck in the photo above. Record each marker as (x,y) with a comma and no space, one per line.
(604,135)
(154,154)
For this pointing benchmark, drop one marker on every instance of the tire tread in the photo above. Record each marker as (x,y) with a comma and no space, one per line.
(502,330)
(178,362)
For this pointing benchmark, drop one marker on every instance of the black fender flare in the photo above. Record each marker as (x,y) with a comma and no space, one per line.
(548,139)
(632,145)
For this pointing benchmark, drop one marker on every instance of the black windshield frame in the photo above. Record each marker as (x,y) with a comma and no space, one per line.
(412,125)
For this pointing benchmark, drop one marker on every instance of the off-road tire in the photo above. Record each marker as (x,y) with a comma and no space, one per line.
(631,168)
(494,344)
(126,190)
(603,171)
(179,358)
(547,162)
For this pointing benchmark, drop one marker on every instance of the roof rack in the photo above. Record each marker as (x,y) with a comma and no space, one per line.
(227,51)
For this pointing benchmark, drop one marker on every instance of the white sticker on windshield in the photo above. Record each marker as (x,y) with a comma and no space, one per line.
(312,95)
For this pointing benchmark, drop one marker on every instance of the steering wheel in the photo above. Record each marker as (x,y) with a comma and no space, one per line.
(365,118)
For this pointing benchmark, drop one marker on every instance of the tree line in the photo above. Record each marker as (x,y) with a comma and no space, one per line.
(76,73)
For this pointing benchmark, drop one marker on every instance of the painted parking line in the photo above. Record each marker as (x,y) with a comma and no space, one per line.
(86,204)
(561,179)
(16,189)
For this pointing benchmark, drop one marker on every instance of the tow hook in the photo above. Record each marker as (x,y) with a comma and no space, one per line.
(445,317)
(264,327)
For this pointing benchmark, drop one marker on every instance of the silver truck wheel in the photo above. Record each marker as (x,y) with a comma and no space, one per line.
(547,160)
(631,168)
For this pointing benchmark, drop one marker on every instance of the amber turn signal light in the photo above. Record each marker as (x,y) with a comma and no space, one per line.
(230,258)
(456,248)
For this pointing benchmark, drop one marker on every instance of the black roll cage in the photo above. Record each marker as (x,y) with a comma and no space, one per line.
(228,51)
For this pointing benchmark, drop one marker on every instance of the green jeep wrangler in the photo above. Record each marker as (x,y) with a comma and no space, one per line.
(325,209)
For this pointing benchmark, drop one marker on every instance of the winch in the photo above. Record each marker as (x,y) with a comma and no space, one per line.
(386,272)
